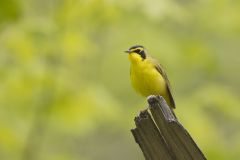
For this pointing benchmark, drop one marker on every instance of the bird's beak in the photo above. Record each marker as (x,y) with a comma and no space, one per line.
(127,51)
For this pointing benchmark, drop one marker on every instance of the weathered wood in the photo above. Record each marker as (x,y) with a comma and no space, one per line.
(161,136)
(149,138)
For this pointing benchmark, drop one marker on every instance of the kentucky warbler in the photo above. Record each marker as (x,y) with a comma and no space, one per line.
(147,75)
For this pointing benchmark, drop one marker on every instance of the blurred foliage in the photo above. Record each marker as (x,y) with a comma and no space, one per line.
(65,89)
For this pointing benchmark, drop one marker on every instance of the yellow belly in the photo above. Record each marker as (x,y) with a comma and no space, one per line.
(147,80)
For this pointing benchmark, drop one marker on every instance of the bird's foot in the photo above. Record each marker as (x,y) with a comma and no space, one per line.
(152,99)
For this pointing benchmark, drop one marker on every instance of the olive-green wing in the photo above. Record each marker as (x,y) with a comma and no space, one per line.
(161,71)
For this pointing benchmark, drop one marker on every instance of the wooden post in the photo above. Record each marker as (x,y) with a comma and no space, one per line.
(161,136)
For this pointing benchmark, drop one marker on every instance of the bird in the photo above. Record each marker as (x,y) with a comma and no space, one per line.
(147,75)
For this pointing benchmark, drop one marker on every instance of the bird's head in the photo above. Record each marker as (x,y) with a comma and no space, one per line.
(136,53)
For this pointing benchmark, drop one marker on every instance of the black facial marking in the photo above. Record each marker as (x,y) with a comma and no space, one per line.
(136,46)
(142,54)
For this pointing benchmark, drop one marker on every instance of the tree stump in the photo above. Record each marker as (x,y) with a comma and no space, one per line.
(161,136)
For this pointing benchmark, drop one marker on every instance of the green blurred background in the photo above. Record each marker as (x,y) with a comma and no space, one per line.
(65,89)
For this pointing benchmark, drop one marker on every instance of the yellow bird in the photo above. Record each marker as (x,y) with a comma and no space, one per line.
(147,76)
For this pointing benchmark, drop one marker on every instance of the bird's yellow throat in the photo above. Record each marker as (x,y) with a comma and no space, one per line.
(134,57)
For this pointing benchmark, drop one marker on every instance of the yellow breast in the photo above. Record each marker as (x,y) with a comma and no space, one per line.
(145,78)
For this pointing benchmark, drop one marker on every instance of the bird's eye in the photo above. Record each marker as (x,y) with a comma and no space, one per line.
(137,50)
